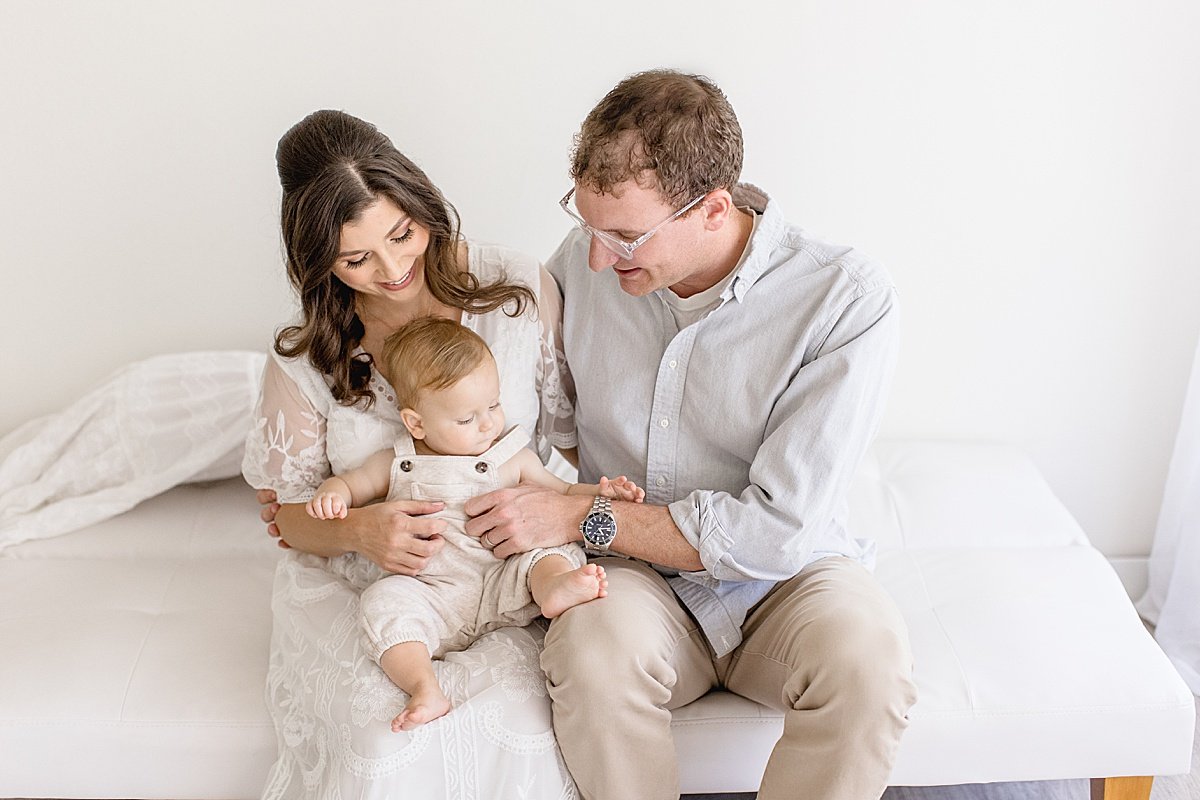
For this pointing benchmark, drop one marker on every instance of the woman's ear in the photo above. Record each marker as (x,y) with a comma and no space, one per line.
(412,421)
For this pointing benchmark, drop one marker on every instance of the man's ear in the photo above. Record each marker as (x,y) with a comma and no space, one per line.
(716,209)
(412,421)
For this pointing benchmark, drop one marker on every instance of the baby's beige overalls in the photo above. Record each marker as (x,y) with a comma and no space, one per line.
(465,591)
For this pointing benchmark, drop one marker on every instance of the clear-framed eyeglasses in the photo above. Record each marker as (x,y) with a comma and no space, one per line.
(616,244)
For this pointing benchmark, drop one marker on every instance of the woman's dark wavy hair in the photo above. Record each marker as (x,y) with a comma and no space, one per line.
(332,167)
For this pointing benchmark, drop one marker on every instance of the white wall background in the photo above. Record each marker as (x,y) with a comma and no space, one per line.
(1028,171)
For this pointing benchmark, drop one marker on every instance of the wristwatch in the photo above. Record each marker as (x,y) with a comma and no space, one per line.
(599,527)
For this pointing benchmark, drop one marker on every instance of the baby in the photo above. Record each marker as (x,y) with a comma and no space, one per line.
(448,393)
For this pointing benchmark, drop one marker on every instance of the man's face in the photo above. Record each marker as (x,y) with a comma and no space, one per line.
(667,259)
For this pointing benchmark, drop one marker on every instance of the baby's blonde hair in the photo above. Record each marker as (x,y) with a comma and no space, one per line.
(431,353)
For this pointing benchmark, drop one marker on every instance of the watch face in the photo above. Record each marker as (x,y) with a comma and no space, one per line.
(599,529)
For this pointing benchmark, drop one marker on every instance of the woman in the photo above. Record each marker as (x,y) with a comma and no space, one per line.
(371,244)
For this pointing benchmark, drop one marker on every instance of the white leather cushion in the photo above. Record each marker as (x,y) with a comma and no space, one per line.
(136,667)
(218,519)
(1031,664)
(723,742)
(135,652)
(956,494)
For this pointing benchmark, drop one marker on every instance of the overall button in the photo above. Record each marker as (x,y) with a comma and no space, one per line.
(481,466)
(406,466)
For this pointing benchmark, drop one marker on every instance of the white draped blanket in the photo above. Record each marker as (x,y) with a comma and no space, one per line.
(154,424)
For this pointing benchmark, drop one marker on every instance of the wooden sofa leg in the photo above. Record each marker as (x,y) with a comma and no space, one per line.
(1121,788)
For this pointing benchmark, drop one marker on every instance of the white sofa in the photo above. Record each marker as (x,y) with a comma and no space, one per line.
(133,653)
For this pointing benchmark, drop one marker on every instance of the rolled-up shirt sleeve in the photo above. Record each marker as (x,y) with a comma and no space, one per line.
(816,435)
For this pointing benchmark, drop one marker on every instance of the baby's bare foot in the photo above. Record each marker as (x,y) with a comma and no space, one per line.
(424,705)
(572,588)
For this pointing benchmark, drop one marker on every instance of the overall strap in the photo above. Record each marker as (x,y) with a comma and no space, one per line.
(404,444)
(509,445)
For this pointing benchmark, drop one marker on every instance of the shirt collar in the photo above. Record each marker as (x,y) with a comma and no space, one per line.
(762,241)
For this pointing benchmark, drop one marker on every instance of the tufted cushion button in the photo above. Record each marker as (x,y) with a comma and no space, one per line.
(481,466)
(406,466)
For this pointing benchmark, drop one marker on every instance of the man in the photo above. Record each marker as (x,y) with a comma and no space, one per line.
(737,368)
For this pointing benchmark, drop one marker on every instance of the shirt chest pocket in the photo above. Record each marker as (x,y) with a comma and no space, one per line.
(449,493)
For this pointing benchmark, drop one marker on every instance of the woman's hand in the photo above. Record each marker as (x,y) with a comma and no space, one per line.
(266,499)
(393,535)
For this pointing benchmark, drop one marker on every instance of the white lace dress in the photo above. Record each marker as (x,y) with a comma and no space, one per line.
(331,704)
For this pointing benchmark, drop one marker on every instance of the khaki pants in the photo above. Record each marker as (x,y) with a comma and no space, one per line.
(827,647)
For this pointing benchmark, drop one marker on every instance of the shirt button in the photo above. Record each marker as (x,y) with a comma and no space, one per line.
(660,481)
(664,422)
(673,363)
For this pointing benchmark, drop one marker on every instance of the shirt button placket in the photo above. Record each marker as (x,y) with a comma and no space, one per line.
(665,415)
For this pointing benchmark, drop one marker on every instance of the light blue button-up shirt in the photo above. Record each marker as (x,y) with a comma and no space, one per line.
(748,424)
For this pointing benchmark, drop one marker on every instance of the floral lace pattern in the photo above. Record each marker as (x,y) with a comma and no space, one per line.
(331,704)
(374,698)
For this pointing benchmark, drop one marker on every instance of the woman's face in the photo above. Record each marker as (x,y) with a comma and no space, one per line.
(382,254)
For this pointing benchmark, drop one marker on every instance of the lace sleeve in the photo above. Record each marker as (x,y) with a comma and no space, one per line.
(285,449)
(555,386)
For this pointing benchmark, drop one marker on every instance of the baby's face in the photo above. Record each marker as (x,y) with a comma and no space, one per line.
(466,418)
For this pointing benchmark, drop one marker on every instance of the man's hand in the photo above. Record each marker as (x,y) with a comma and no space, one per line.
(525,517)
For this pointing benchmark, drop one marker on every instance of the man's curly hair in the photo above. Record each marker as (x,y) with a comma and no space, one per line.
(679,126)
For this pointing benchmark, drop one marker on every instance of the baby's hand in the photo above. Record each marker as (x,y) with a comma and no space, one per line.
(327,505)
(621,488)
